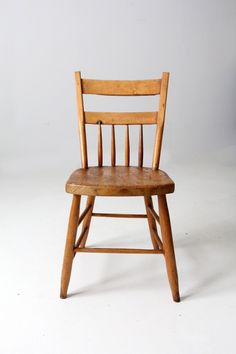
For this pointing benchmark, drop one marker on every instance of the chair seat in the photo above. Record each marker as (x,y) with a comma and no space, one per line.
(119,181)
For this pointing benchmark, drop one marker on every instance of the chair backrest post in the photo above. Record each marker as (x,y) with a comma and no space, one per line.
(161,121)
(81,120)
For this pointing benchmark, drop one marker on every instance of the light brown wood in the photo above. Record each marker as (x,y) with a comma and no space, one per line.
(168,247)
(127,147)
(160,122)
(118,250)
(119,181)
(113,146)
(82,216)
(81,236)
(82,132)
(121,87)
(100,152)
(112,215)
(87,220)
(154,214)
(140,148)
(156,241)
(69,247)
(121,118)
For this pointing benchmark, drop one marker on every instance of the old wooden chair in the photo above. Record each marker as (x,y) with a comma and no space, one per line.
(120,180)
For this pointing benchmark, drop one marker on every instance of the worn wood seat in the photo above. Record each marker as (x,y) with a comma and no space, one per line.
(119,181)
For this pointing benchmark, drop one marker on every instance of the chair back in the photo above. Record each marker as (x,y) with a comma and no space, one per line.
(122,88)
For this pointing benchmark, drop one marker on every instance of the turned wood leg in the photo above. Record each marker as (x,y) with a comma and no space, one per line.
(70,242)
(151,222)
(168,247)
(87,221)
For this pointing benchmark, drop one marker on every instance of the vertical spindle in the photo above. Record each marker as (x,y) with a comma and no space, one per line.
(113,146)
(140,148)
(127,148)
(100,144)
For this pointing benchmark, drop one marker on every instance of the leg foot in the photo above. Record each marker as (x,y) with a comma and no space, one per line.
(176,298)
(63,296)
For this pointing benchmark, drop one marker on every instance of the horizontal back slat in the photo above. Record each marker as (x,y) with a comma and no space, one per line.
(121,87)
(121,118)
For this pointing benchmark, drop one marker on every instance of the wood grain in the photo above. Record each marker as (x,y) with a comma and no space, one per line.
(115,215)
(82,216)
(118,250)
(113,146)
(119,181)
(121,87)
(87,221)
(100,149)
(81,236)
(168,247)
(81,122)
(154,214)
(140,147)
(69,247)
(121,118)
(160,122)
(127,147)
(157,244)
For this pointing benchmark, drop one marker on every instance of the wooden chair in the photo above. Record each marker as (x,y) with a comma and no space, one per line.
(120,180)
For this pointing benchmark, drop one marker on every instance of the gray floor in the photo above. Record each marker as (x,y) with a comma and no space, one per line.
(119,303)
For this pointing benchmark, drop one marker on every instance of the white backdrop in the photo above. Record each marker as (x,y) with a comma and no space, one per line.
(44,42)
(117,303)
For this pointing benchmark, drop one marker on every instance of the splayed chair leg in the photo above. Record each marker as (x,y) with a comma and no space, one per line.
(168,246)
(69,247)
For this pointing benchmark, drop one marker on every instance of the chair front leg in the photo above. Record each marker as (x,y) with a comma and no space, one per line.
(70,243)
(168,246)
